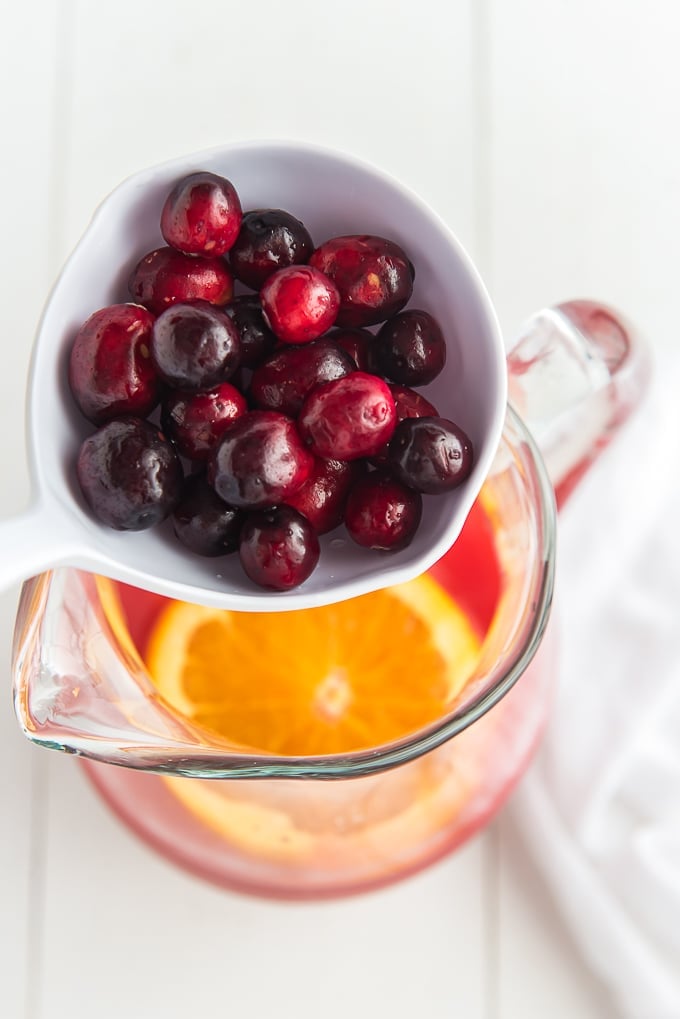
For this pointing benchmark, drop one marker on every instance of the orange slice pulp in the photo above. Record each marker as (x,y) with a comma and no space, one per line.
(328,680)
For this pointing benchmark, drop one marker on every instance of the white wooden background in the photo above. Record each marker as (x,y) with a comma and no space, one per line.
(546,133)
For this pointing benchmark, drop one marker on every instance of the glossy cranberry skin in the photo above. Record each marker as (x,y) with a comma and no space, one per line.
(195,346)
(203,522)
(410,349)
(430,454)
(269,239)
(323,496)
(382,513)
(348,418)
(409,404)
(287,376)
(260,461)
(130,474)
(358,343)
(110,368)
(165,277)
(202,215)
(279,548)
(197,421)
(374,277)
(257,339)
(299,303)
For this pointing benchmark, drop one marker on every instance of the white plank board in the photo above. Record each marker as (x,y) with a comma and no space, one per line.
(27,82)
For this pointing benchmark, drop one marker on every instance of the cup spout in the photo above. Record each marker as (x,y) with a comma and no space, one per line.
(576,373)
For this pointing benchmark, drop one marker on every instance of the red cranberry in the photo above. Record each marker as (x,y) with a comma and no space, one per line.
(257,339)
(269,239)
(430,454)
(409,404)
(358,343)
(194,346)
(130,474)
(299,303)
(410,348)
(201,215)
(110,369)
(203,522)
(285,378)
(382,513)
(373,275)
(323,496)
(260,461)
(197,421)
(165,277)
(349,417)
(279,548)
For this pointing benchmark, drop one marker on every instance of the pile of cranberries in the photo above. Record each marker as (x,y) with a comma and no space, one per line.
(289,414)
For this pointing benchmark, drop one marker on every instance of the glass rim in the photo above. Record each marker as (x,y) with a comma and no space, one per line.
(222,762)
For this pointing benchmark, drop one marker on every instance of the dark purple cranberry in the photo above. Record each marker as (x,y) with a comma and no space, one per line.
(374,277)
(285,378)
(358,343)
(409,404)
(110,369)
(203,522)
(299,303)
(165,277)
(349,417)
(410,348)
(197,421)
(269,239)
(430,454)
(257,339)
(130,474)
(381,513)
(194,346)
(279,548)
(201,215)
(260,461)
(323,496)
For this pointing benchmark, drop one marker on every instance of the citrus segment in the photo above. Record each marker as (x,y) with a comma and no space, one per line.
(328,680)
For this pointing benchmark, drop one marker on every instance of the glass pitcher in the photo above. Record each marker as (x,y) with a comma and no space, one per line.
(318,826)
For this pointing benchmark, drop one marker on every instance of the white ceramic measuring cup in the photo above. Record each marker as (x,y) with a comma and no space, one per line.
(333,194)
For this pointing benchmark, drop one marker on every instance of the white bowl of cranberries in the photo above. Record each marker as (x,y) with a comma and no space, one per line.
(282,383)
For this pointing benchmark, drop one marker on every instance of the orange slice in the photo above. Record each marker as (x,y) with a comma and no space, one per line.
(318,681)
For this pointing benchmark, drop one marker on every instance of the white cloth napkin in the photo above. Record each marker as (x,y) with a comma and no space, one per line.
(599,809)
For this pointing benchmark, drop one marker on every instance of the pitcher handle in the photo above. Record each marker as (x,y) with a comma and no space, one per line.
(576,373)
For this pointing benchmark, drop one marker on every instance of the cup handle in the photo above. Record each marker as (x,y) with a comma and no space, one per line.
(576,373)
(30,543)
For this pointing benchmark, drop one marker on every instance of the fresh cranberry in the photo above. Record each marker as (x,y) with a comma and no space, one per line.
(203,522)
(285,378)
(409,404)
(197,421)
(260,461)
(382,513)
(430,454)
(110,369)
(410,348)
(323,496)
(349,417)
(269,239)
(373,275)
(358,343)
(202,215)
(195,346)
(165,277)
(257,339)
(299,303)
(279,548)
(130,474)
